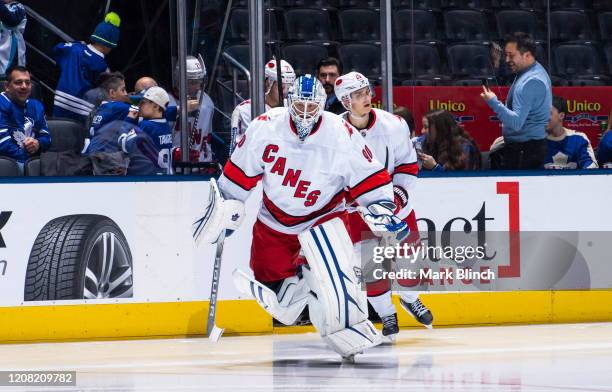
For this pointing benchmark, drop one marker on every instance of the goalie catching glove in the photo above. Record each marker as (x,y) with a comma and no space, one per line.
(219,215)
(384,223)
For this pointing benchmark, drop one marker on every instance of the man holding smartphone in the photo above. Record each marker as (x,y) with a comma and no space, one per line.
(527,109)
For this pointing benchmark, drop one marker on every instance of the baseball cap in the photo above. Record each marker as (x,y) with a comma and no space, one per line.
(158,96)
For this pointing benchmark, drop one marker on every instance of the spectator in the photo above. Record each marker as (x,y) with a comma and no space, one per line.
(418,141)
(404,113)
(567,148)
(141,86)
(80,66)
(200,109)
(12,25)
(23,128)
(115,107)
(97,95)
(446,146)
(148,148)
(527,108)
(328,71)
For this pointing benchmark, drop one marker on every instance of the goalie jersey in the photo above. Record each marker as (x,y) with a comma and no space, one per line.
(388,136)
(303,181)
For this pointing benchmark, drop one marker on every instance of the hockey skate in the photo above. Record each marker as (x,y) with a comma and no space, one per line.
(419,311)
(390,328)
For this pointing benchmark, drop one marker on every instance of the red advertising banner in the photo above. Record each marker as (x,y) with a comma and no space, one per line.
(587,107)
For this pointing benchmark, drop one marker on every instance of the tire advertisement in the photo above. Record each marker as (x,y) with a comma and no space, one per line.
(110,242)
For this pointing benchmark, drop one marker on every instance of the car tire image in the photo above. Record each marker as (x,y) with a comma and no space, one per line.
(79,257)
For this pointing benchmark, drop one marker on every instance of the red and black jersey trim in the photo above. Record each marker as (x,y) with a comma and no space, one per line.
(374,181)
(236,175)
(407,168)
(289,220)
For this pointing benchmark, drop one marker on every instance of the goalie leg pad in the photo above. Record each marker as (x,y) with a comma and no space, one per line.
(219,215)
(353,340)
(338,304)
(285,306)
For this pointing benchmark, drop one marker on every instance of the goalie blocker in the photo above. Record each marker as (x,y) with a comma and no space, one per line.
(331,286)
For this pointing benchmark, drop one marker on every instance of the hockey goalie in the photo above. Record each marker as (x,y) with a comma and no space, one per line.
(306,159)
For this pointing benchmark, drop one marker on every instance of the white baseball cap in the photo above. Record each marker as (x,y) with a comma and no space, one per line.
(158,96)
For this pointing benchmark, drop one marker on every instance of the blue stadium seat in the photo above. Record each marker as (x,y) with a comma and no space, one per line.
(8,167)
(577,61)
(573,4)
(239,25)
(419,61)
(311,3)
(474,4)
(358,3)
(424,25)
(511,21)
(434,5)
(608,52)
(470,61)
(520,4)
(32,167)
(308,25)
(359,24)
(304,57)
(605,25)
(466,25)
(363,58)
(570,25)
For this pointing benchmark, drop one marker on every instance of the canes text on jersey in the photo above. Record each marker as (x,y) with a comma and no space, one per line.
(291,177)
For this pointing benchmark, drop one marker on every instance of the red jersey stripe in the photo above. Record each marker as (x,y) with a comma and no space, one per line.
(372,182)
(407,168)
(291,220)
(239,177)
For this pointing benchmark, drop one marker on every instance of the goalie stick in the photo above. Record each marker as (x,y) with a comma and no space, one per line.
(212,331)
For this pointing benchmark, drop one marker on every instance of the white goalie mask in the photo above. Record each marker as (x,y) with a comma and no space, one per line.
(306,100)
(347,84)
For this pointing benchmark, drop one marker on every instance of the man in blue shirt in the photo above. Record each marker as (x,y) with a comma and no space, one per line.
(23,127)
(527,108)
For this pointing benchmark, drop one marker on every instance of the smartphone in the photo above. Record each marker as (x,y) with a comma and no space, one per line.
(485,83)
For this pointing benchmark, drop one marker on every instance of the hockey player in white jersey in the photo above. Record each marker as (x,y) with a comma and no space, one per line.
(241,116)
(306,159)
(389,138)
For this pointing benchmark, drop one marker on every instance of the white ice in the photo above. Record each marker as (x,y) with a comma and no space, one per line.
(575,357)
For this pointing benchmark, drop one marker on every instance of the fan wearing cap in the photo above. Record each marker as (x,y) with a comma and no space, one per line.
(145,157)
(241,116)
(388,136)
(80,66)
